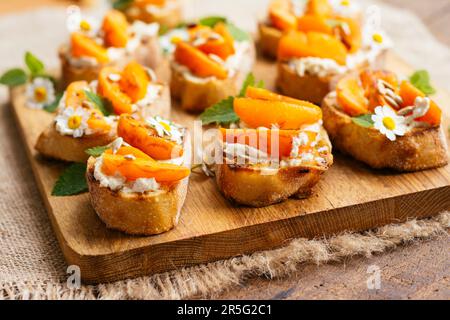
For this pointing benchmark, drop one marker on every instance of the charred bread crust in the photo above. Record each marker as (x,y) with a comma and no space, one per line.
(269,37)
(169,17)
(247,185)
(140,214)
(419,149)
(195,97)
(52,144)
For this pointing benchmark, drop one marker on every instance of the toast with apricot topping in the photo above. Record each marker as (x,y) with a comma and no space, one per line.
(314,15)
(385,122)
(139,187)
(115,44)
(166,13)
(276,150)
(210,66)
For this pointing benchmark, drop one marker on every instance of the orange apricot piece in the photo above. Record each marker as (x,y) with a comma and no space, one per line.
(143,168)
(134,81)
(198,62)
(297,44)
(319,7)
(115,28)
(223,47)
(309,22)
(97,122)
(351,34)
(264,94)
(263,113)
(369,80)
(350,97)
(83,46)
(75,94)
(125,150)
(111,90)
(140,136)
(409,93)
(282,20)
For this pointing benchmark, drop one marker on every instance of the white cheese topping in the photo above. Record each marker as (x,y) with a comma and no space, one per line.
(316,67)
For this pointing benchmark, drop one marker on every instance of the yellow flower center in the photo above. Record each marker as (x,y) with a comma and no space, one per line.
(74,122)
(345,3)
(175,39)
(377,38)
(85,26)
(165,126)
(40,94)
(389,123)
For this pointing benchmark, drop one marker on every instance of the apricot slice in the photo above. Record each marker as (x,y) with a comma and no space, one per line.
(350,97)
(143,168)
(309,22)
(125,150)
(97,122)
(198,62)
(139,135)
(134,81)
(223,47)
(282,20)
(409,93)
(111,90)
(144,3)
(263,113)
(264,94)
(297,44)
(369,80)
(352,38)
(75,93)
(262,139)
(115,28)
(83,46)
(319,7)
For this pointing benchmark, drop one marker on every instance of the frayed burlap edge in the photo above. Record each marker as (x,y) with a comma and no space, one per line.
(214,278)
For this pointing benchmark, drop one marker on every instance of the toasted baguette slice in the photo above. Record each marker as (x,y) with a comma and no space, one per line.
(419,149)
(269,37)
(147,54)
(312,87)
(196,94)
(170,16)
(248,185)
(135,213)
(52,144)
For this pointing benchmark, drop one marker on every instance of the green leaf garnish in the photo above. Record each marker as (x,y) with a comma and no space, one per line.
(72,181)
(14,77)
(221,112)
(237,33)
(163,29)
(421,80)
(121,4)
(364,120)
(250,81)
(35,65)
(212,21)
(54,105)
(97,151)
(104,105)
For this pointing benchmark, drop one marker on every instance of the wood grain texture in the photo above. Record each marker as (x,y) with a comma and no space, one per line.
(349,197)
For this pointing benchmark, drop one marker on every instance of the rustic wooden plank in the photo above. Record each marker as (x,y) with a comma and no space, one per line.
(349,197)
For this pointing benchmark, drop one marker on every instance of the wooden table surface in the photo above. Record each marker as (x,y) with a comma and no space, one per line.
(416,271)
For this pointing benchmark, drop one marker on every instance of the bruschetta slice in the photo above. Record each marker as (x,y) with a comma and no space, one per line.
(81,123)
(166,13)
(287,15)
(385,122)
(139,185)
(209,66)
(276,150)
(113,43)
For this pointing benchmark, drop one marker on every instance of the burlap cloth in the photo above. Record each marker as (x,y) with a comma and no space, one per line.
(31,264)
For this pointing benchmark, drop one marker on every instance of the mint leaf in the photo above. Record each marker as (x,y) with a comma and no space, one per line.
(211,21)
(250,81)
(35,65)
(121,4)
(222,112)
(13,77)
(364,120)
(238,34)
(72,181)
(97,151)
(54,105)
(421,80)
(104,105)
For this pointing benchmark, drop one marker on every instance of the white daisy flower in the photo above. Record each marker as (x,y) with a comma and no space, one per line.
(166,128)
(40,93)
(73,122)
(345,8)
(389,123)
(76,22)
(169,40)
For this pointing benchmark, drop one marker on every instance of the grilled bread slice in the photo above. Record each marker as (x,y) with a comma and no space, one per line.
(419,149)
(169,16)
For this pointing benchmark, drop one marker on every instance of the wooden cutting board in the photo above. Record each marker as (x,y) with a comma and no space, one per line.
(350,197)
